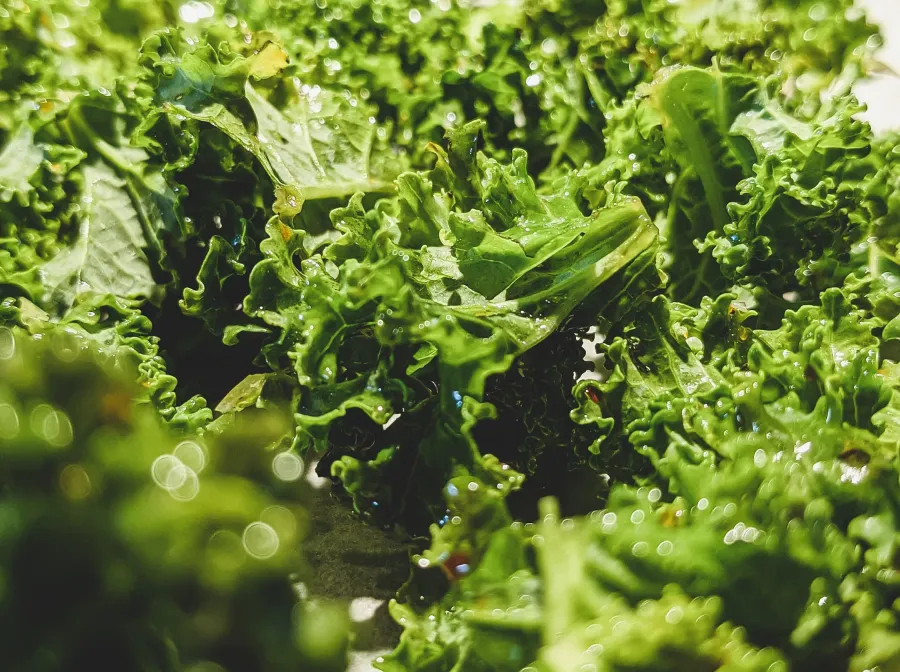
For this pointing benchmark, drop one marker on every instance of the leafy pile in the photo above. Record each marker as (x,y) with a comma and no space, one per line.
(386,238)
(127,544)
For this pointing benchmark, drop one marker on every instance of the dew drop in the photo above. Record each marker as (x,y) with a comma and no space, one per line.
(193,11)
(7,343)
(75,482)
(168,472)
(189,488)
(9,422)
(287,466)
(191,454)
(260,540)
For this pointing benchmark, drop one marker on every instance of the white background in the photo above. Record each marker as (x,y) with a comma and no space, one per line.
(882,93)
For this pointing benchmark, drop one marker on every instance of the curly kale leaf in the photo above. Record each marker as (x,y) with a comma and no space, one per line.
(696,377)
(436,290)
(167,528)
(313,144)
(772,512)
(105,207)
(546,75)
(116,330)
(746,174)
(541,596)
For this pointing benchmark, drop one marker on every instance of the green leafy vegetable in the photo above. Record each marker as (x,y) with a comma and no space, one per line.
(450,295)
(160,535)
(603,297)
